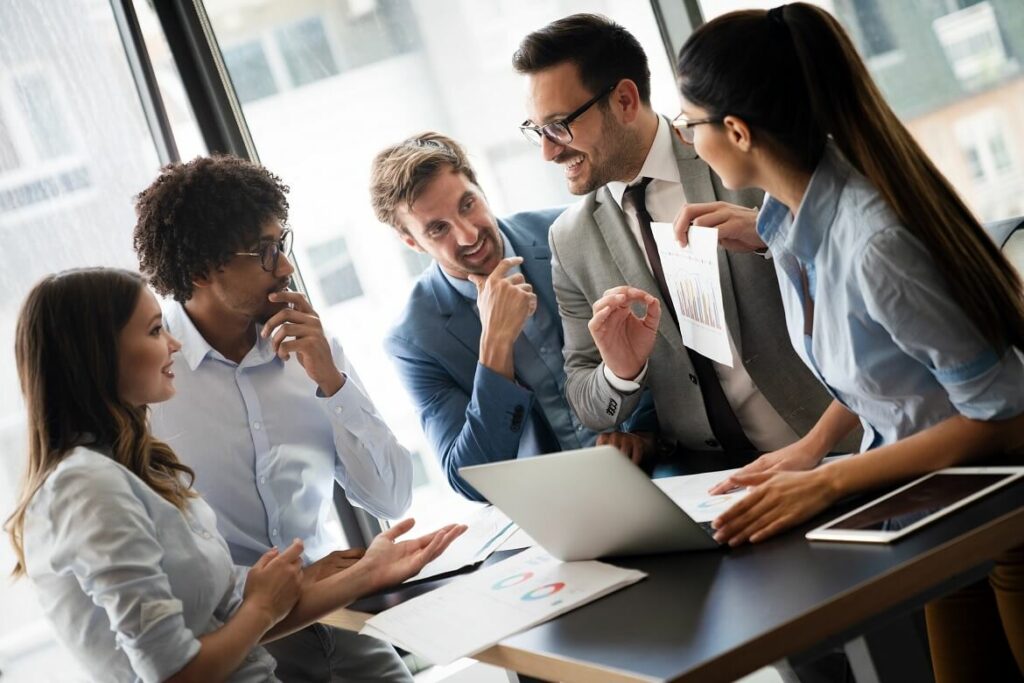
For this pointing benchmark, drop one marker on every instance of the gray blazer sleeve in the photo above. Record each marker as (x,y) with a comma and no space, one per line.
(597,404)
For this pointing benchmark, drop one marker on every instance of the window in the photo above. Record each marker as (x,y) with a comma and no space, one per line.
(401,68)
(335,271)
(74,148)
(957,80)
(250,71)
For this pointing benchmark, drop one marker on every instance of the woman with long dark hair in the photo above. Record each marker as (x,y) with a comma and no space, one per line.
(894,295)
(125,557)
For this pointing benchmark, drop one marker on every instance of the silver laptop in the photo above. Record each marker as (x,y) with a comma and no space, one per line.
(588,503)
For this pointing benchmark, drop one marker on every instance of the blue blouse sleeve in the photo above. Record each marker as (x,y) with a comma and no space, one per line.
(905,292)
(103,535)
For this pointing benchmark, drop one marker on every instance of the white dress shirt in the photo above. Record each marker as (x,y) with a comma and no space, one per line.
(664,197)
(267,447)
(129,581)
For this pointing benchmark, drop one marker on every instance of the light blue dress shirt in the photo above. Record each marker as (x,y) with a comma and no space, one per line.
(267,448)
(537,356)
(128,580)
(887,338)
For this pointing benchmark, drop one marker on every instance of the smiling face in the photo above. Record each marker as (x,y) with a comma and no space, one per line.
(145,351)
(240,287)
(451,222)
(603,147)
(725,147)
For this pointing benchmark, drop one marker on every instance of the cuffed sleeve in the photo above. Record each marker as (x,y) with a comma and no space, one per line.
(373,468)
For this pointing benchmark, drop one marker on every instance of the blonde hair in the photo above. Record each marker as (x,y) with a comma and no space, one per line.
(66,347)
(400,173)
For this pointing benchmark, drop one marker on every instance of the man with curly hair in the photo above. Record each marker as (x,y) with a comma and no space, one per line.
(269,412)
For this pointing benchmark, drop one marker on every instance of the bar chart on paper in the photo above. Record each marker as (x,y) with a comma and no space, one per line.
(692,276)
(697,300)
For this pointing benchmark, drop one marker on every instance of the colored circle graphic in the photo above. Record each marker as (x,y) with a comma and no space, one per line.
(545,591)
(513,580)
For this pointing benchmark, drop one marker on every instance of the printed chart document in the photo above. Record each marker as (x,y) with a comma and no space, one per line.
(488,530)
(691,274)
(476,611)
(690,492)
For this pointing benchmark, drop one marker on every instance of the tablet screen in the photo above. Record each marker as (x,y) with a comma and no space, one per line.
(917,502)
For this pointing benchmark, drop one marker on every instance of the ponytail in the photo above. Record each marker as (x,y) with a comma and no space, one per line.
(801,54)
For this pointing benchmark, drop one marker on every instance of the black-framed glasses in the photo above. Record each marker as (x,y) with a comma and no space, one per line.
(685,126)
(270,251)
(558,131)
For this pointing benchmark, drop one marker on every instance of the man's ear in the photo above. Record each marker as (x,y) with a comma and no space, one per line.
(202,281)
(738,133)
(625,100)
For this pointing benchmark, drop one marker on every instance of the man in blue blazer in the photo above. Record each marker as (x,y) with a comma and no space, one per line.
(479,344)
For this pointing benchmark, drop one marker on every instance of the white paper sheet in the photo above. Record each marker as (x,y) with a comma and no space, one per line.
(691,274)
(488,529)
(477,610)
(690,492)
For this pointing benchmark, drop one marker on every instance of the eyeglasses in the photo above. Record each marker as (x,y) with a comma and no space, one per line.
(685,126)
(270,251)
(558,131)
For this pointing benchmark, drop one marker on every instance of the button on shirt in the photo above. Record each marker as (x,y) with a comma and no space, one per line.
(537,355)
(887,339)
(267,447)
(664,197)
(129,581)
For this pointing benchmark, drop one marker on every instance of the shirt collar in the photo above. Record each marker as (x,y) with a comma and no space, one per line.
(803,234)
(660,163)
(467,288)
(195,348)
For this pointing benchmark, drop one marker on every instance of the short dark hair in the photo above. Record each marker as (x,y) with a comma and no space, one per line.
(195,215)
(603,51)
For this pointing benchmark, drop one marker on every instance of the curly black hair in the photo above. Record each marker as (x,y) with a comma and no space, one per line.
(196,214)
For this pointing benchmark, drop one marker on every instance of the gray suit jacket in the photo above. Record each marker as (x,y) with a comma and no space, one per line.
(593,250)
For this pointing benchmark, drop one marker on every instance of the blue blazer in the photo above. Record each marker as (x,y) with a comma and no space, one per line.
(470,414)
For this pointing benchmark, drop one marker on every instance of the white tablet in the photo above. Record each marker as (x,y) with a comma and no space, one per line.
(920,502)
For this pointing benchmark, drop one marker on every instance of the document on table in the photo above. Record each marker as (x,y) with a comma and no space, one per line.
(690,492)
(691,274)
(477,610)
(487,530)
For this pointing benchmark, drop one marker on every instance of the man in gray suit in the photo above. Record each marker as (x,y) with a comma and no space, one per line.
(589,110)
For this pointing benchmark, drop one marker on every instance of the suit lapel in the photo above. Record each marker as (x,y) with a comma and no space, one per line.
(625,251)
(698,188)
(463,323)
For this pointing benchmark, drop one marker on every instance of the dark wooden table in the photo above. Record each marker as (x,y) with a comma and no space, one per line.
(718,615)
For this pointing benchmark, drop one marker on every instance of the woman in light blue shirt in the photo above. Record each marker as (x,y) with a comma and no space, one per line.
(894,295)
(125,557)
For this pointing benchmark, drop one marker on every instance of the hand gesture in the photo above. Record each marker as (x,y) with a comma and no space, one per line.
(390,561)
(299,331)
(625,340)
(799,455)
(737,225)
(634,445)
(505,301)
(777,501)
(274,583)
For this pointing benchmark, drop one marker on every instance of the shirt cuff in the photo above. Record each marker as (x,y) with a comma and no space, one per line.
(346,404)
(625,386)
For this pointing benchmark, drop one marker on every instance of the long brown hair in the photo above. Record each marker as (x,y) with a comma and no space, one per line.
(66,347)
(794,75)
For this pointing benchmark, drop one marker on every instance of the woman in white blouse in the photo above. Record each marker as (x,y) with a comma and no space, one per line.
(125,557)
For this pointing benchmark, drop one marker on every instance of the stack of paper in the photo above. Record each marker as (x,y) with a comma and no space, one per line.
(478,610)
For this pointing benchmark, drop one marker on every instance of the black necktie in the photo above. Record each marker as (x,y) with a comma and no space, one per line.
(724,425)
